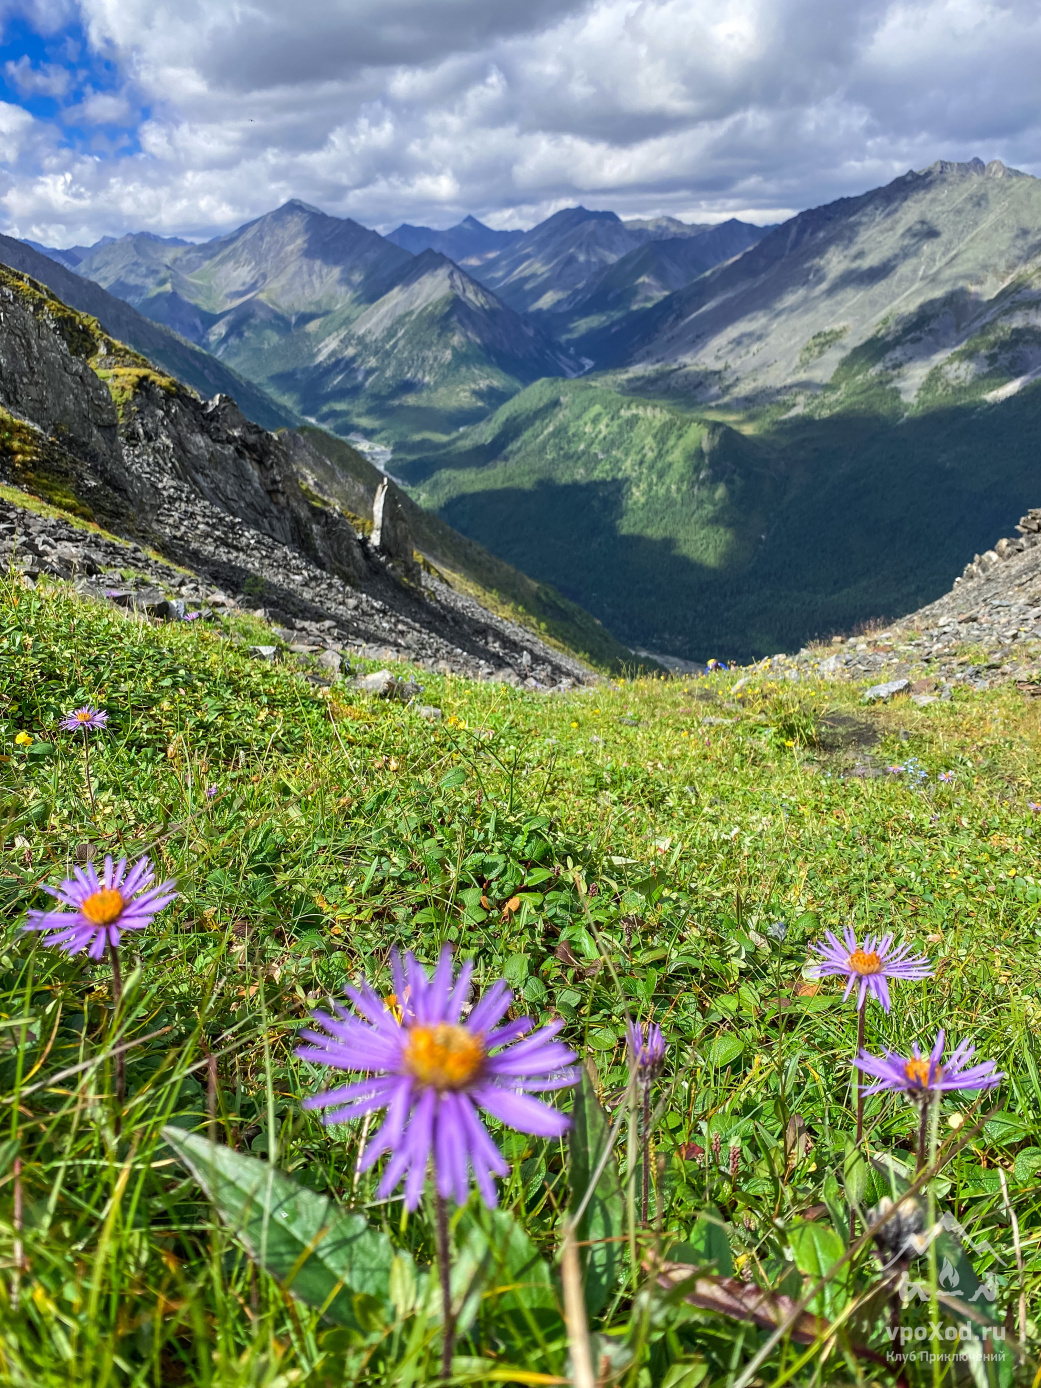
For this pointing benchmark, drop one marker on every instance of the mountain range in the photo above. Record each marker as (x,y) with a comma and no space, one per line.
(717,439)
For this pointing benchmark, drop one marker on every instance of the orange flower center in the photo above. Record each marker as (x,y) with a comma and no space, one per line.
(83,715)
(862,963)
(444,1056)
(917,1071)
(103,907)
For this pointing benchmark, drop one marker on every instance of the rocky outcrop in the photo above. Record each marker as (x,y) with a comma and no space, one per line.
(92,427)
(1029,529)
(391,535)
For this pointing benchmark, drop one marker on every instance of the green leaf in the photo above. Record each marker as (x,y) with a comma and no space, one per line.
(725,1049)
(1027,1162)
(603,1219)
(855,1173)
(816,1248)
(325,1256)
(708,1243)
(498,1272)
(453,778)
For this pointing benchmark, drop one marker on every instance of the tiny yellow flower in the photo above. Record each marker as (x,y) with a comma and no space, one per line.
(574,725)
(23,740)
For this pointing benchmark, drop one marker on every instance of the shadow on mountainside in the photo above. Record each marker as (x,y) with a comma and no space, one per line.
(874,518)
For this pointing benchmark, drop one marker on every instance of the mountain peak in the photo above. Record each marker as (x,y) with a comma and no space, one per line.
(946,168)
(470,223)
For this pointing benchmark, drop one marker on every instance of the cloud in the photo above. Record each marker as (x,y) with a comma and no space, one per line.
(49,79)
(424,110)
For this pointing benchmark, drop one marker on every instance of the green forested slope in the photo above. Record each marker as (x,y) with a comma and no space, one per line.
(697,538)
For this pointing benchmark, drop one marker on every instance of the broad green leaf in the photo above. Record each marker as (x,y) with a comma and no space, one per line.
(816,1248)
(855,1174)
(708,1243)
(1027,1163)
(725,1048)
(327,1257)
(603,1221)
(499,1274)
(455,777)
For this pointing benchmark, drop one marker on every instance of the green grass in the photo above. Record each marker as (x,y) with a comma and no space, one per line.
(609,852)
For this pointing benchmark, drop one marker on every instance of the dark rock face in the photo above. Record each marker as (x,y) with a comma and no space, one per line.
(88,423)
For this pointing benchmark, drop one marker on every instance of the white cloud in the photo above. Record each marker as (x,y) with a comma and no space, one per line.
(424,110)
(48,79)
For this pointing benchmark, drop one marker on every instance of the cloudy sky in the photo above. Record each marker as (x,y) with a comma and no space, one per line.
(189,117)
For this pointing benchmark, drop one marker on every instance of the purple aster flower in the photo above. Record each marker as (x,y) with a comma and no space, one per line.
(86,718)
(101,907)
(946,777)
(1032,807)
(192,616)
(645,1057)
(432,1071)
(870,965)
(920,1075)
(211,791)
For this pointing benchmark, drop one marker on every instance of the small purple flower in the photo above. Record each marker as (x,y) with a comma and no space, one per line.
(101,907)
(895,770)
(86,718)
(1032,807)
(869,965)
(946,777)
(921,1076)
(432,1072)
(192,616)
(645,1057)
(211,791)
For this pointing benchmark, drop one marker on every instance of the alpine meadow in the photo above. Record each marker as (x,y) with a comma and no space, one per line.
(520,695)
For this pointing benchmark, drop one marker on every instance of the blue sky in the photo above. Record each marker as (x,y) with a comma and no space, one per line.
(188,117)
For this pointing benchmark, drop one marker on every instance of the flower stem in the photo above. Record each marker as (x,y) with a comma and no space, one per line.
(860,1101)
(923,1133)
(117,1003)
(444,1268)
(86,769)
(646,1153)
(860,1078)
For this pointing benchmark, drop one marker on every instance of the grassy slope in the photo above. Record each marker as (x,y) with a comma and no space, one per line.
(857,507)
(329,840)
(475,570)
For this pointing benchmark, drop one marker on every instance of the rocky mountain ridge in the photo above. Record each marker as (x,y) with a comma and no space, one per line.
(94,429)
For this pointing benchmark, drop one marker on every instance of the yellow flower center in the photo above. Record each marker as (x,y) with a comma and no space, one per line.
(917,1071)
(862,963)
(83,715)
(103,907)
(444,1056)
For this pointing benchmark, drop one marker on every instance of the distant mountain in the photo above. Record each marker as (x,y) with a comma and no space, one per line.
(338,322)
(468,244)
(644,276)
(182,359)
(928,288)
(436,352)
(803,438)
(554,258)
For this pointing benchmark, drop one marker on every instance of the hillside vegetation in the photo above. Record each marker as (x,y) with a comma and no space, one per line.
(649,849)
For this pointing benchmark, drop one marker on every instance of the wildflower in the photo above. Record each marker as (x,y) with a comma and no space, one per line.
(895,770)
(102,908)
(192,616)
(645,1057)
(88,719)
(23,739)
(922,1076)
(1032,807)
(869,966)
(211,791)
(432,1072)
(946,777)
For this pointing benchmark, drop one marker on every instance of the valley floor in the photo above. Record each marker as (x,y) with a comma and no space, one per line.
(667,846)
